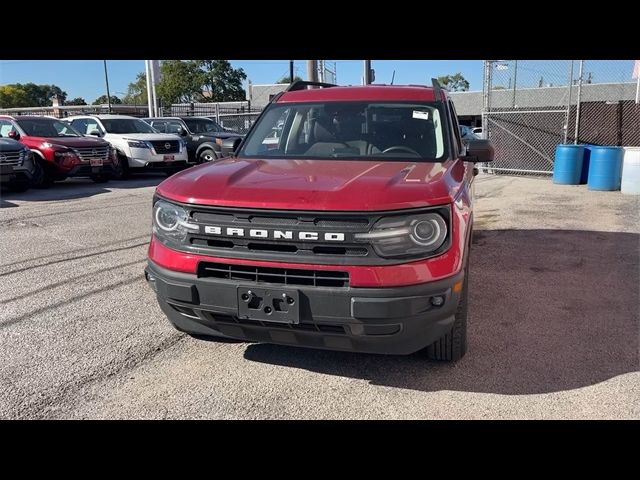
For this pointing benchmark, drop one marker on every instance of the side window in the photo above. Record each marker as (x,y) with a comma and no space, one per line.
(5,127)
(80,124)
(173,127)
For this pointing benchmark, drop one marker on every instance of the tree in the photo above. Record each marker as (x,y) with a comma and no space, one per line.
(12,96)
(181,82)
(76,101)
(102,100)
(30,95)
(454,83)
(137,91)
(286,79)
(220,81)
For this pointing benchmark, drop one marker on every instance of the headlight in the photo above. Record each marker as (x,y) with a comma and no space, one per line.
(171,222)
(138,144)
(406,236)
(183,144)
(24,155)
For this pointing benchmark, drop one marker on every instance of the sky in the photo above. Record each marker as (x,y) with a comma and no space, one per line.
(85,78)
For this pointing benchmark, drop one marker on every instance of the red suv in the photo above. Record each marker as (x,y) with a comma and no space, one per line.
(352,233)
(59,150)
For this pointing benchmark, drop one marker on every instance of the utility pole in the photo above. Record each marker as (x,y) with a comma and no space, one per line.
(577,131)
(515,80)
(290,71)
(321,70)
(367,71)
(106,80)
(153,88)
(312,70)
(149,95)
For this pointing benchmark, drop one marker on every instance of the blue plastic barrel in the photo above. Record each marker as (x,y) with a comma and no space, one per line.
(567,166)
(605,168)
(584,176)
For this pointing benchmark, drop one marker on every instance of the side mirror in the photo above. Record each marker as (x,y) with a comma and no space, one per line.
(479,151)
(95,133)
(14,134)
(182,132)
(229,146)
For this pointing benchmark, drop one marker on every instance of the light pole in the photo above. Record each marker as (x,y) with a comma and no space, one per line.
(106,80)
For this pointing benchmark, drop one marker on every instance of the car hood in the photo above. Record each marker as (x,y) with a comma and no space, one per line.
(214,135)
(10,145)
(73,142)
(145,136)
(336,185)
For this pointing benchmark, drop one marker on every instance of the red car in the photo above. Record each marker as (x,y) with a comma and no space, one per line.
(353,233)
(59,150)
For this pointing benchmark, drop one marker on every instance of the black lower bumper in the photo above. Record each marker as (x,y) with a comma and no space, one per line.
(399,320)
(15,176)
(84,170)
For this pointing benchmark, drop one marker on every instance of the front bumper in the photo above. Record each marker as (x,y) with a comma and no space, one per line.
(398,320)
(15,174)
(86,170)
(145,158)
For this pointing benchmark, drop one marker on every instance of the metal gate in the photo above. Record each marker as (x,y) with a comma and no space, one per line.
(531,106)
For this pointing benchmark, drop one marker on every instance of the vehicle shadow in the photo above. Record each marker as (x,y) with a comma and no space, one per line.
(550,310)
(78,188)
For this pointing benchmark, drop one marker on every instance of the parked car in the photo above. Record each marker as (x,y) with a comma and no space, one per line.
(221,128)
(139,147)
(466,133)
(17,167)
(60,151)
(203,137)
(353,234)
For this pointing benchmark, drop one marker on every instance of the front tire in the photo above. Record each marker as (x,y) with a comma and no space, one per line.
(207,155)
(121,169)
(41,177)
(453,345)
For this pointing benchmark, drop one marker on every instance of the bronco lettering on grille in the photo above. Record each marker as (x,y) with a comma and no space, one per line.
(273,234)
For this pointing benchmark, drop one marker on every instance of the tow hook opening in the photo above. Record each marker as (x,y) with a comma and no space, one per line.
(151,280)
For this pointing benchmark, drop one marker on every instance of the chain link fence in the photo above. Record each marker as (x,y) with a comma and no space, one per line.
(531,106)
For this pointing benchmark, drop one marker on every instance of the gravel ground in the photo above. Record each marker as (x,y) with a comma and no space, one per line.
(554,320)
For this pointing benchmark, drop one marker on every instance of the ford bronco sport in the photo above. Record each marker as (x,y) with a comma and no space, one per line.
(16,165)
(353,233)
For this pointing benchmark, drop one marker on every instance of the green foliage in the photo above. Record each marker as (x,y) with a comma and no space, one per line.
(29,95)
(454,83)
(76,101)
(137,91)
(102,100)
(287,78)
(220,81)
(181,82)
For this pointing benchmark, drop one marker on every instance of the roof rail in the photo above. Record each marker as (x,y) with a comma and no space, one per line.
(437,89)
(302,84)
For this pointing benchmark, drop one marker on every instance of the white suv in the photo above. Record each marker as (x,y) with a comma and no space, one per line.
(136,141)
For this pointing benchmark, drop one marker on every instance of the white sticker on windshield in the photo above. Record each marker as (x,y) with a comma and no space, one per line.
(421,115)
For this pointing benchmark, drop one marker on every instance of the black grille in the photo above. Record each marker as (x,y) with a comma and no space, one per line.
(12,158)
(280,276)
(167,146)
(304,327)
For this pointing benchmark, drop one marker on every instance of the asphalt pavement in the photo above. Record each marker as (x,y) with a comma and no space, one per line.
(554,327)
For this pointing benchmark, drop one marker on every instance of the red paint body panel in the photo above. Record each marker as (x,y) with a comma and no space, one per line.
(335,185)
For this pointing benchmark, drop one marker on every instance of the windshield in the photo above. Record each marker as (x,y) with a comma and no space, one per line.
(202,125)
(126,125)
(349,130)
(47,127)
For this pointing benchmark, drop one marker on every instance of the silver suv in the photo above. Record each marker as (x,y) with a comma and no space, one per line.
(139,146)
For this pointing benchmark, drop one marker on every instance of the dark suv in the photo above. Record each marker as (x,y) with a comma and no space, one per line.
(16,165)
(203,135)
(351,232)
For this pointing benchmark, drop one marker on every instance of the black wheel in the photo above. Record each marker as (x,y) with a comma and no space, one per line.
(121,168)
(100,178)
(42,177)
(207,155)
(452,346)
